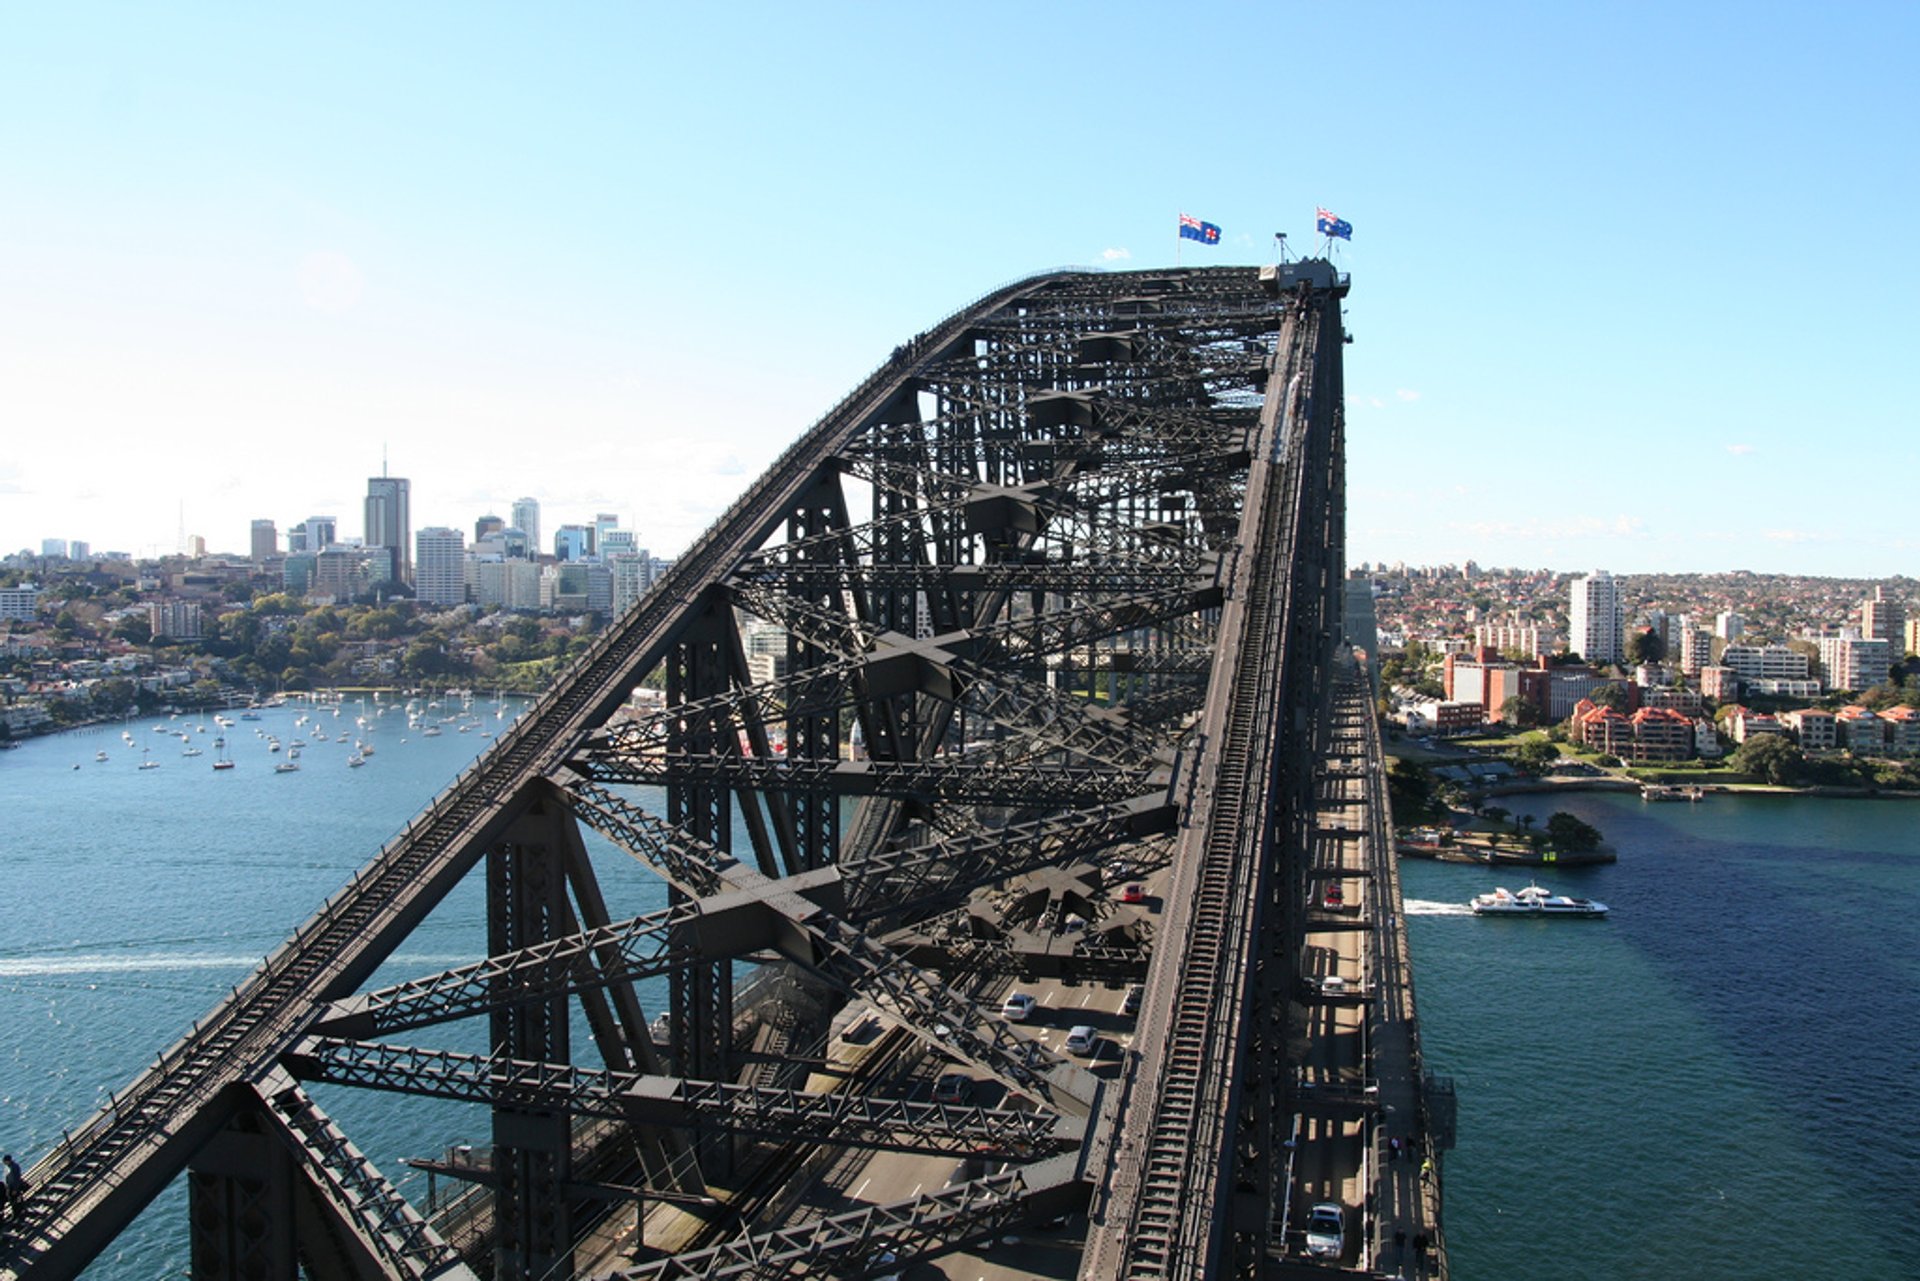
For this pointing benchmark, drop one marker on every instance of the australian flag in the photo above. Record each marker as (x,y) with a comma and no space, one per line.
(1191,228)
(1327,224)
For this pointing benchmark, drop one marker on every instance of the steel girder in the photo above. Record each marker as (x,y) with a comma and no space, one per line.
(965,561)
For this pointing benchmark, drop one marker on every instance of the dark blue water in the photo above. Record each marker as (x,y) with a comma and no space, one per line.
(1722,1079)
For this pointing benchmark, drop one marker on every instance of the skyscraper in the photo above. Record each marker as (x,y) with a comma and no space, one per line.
(390,523)
(573,542)
(526,519)
(322,532)
(266,540)
(603,524)
(488,524)
(441,577)
(1597,621)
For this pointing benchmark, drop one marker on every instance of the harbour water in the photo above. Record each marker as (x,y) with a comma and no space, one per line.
(1720,1080)
(1717,1081)
(135,898)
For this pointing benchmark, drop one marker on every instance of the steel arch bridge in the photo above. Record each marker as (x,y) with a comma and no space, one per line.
(1049,603)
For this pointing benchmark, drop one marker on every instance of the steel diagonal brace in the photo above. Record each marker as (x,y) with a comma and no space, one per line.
(956,779)
(788,916)
(840,1118)
(890,882)
(819,689)
(693,865)
(859,1242)
(386,1226)
(642,947)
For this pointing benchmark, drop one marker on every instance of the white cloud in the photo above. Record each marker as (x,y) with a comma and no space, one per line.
(1115,255)
(1738,450)
(1793,536)
(1407,395)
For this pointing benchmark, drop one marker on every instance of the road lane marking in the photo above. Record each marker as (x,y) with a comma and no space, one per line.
(863,1187)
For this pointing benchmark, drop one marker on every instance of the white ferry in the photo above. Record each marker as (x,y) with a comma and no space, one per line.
(1534,901)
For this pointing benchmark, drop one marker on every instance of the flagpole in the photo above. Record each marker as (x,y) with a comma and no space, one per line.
(1177,238)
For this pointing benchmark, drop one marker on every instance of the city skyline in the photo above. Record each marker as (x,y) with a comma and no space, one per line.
(246,255)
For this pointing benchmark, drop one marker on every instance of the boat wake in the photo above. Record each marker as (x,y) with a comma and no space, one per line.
(28,967)
(1428,907)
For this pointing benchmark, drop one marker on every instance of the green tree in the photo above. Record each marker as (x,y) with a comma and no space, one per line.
(1772,757)
(1647,646)
(1521,712)
(1534,755)
(1494,813)
(1571,833)
(135,630)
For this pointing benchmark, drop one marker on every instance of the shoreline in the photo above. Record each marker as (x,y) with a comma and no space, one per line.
(1862,792)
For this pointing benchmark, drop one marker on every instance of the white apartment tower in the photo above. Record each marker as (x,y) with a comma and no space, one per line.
(1597,627)
(439,566)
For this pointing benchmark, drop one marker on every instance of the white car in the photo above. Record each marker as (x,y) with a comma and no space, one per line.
(1326,1231)
(1018,1008)
(1082,1039)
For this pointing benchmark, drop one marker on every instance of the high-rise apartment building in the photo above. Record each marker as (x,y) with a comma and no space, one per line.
(266,540)
(1597,619)
(1883,616)
(174,620)
(1729,626)
(1854,662)
(79,549)
(55,548)
(322,532)
(526,519)
(440,572)
(390,523)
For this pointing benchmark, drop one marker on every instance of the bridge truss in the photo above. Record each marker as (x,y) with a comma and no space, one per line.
(1049,600)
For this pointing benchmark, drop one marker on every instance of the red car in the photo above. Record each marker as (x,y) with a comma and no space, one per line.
(1335,896)
(1134,893)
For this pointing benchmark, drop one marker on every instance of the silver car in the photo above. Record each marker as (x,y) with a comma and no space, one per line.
(1326,1231)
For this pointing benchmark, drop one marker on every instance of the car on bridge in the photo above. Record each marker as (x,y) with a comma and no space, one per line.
(1082,1039)
(1326,1231)
(952,1087)
(1018,1007)
(1135,892)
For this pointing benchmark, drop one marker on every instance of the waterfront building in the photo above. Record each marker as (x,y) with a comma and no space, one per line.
(1597,618)
(1601,729)
(1746,724)
(1719,682)
(1815,727)
(439,567)
(19,604)
(265,541)
(174,619)
(1852,661)
(1661,734)
(1706,739)
(525,517)
(389,525)
(1862,732)
(1902,730)
(1676,698)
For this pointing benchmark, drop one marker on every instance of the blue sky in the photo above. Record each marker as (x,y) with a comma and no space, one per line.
(1633,285)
